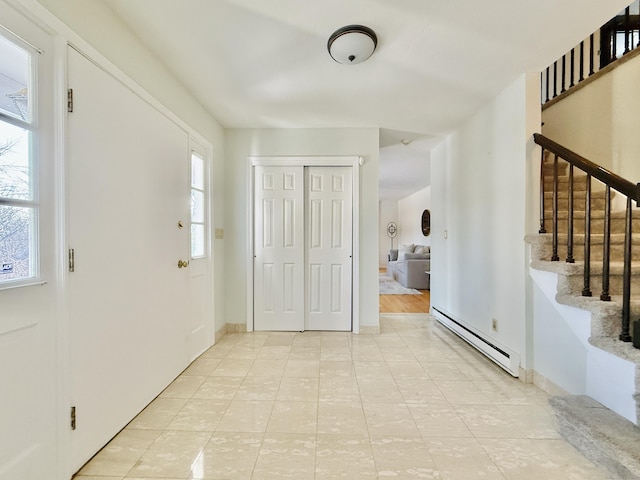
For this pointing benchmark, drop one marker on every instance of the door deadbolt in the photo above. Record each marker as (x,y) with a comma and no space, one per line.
(183,264)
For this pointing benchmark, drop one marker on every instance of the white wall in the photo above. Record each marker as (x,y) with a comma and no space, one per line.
(243,143)
(601,121)
(388,213)
(479,174)
(558,354)
(97,25)
(410,218)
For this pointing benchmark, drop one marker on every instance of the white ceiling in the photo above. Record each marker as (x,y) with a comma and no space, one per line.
(264,63)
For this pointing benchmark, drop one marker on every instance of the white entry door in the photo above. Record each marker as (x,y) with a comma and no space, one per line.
(128,187)
(279,248)
(329,208)
(30,371)
(303,248)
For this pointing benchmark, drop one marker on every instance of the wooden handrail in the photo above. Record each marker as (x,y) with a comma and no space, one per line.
(616,182)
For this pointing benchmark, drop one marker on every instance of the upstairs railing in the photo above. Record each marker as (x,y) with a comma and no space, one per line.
(611,181)
(615,39)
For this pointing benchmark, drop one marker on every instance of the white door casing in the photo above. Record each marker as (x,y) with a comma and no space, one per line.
(328,239)
(279,248)
(30,367)
(128,187)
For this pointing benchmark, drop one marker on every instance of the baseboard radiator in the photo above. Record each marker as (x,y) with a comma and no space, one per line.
(501,355)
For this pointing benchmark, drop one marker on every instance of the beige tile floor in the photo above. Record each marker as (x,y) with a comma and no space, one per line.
(414,402)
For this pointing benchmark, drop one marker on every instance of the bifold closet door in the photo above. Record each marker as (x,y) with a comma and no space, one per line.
(279,248)
(329,234)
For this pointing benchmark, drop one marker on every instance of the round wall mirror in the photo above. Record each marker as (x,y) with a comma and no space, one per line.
(426,223)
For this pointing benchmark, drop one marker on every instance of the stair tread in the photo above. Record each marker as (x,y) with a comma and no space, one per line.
(608,440)
(577,268)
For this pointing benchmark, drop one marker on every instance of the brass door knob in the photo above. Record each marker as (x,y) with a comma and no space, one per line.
(183,264)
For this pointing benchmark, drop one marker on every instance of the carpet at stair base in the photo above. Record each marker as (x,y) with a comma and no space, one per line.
(611,442)
(388,286)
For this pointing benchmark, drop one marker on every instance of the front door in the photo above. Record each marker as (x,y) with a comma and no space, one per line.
(129,197)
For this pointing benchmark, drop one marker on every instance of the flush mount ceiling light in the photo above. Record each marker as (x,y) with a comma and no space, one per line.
(352,44)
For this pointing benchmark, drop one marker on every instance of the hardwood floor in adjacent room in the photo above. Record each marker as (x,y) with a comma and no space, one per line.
(406,303)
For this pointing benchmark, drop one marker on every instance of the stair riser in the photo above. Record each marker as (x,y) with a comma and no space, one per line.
(597,225)
(576,284)
(616,252)
(563,169)
(579,204)
(579,185)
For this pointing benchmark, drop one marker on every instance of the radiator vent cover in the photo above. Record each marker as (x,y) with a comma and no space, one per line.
(501,355)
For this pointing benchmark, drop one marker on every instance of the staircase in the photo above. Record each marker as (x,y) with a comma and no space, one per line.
(605,328)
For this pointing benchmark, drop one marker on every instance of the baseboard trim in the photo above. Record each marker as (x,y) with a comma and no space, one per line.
(236,328)
(369,330)
(526,376)
(547,386)
(221,332)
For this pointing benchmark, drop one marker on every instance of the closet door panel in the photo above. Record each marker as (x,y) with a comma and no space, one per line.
(279,248)
(329,248)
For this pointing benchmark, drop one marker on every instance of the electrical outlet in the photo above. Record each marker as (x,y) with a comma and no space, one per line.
(219,233)
(494,324)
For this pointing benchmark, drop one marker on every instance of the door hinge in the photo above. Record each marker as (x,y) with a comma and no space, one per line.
(70,100)
(73,418)
(72,260)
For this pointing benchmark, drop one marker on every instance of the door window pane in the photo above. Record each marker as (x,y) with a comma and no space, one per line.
(16,237)
(197,206)
(197,171)
(197,240)
(15,171)
(15,79)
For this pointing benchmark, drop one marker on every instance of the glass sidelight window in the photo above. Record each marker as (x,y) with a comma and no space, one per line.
(198,206)
(18,169)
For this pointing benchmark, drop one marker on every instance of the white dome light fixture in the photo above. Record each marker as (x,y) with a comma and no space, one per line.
(352,44)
